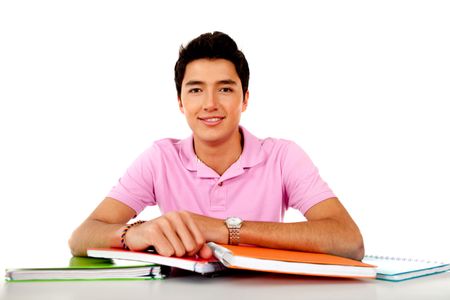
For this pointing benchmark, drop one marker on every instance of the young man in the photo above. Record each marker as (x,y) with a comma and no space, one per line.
(222,184)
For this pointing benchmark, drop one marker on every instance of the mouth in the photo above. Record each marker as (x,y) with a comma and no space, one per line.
(212,121)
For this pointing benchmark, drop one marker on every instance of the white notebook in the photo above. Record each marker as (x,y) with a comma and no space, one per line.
(398,269)
(195,264)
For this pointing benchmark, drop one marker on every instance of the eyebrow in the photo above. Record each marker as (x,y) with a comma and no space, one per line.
(228,81)
(194,82)
(198,82)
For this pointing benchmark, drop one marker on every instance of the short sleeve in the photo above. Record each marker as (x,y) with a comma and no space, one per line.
(136,187)
(303,185)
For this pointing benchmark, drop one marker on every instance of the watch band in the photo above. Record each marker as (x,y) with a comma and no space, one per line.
(233,236)
(234,225)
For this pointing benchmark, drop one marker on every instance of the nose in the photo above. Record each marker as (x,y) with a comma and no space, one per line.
(210,102)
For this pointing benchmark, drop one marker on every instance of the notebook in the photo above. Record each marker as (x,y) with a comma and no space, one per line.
(398,269)
(290,262)
(195,264)
(85,268)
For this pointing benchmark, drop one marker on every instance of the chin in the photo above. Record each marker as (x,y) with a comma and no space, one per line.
(210,136)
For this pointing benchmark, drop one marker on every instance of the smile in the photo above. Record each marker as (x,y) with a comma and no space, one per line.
(212,121)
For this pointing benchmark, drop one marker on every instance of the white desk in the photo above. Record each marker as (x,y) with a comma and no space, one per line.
(243,286)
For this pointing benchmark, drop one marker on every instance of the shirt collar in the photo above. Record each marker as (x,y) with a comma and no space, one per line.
(252,154)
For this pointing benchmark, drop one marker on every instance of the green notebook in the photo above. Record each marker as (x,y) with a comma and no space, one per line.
(87,268)
(399,269)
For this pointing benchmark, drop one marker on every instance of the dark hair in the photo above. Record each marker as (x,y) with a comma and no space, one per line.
(212,45)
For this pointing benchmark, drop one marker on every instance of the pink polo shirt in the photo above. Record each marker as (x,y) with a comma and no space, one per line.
(270,176)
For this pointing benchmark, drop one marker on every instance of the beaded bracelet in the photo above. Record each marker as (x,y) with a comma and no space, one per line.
(124,233)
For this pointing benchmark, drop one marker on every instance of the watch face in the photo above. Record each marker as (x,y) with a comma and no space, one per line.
(234,221)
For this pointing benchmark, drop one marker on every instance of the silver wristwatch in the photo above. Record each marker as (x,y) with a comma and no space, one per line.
(234,225)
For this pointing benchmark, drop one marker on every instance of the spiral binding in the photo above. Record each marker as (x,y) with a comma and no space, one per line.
(402,259)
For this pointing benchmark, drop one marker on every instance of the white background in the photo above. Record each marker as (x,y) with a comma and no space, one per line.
(363,87)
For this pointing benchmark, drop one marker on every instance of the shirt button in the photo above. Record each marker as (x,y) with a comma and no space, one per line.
(220,183)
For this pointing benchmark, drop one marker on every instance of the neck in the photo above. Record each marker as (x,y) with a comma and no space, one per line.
(219,157)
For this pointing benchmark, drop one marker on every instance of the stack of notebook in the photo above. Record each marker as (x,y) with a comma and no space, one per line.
(87,268)
(113,263)
(289,262)
(253,258)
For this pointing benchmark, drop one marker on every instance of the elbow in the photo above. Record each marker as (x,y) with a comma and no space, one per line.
(349,244)
(354,243)
(74,245)
(71,245)
(356,249)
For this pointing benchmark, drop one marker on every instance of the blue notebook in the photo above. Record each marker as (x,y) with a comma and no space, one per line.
(399,269)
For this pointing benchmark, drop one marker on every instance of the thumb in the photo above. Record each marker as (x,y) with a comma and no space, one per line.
(205,252)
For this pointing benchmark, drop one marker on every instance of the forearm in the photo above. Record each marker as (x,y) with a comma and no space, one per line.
(328,235)
(95,234)
(323,236)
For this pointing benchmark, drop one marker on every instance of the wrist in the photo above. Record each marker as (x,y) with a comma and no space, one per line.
(116,237)
(212,229)
(125,232)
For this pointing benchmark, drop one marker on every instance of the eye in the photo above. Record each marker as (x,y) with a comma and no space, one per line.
(226,90)
(194,90)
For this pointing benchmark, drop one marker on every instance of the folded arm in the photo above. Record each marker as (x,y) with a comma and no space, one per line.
(328,229)
(175,233)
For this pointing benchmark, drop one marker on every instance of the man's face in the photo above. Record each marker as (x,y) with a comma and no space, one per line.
(212,100)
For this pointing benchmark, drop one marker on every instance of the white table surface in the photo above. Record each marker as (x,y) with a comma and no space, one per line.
(241,286)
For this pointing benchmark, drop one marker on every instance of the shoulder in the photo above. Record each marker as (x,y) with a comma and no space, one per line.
(283,148)
(270,149)
(166,147)
(168,144)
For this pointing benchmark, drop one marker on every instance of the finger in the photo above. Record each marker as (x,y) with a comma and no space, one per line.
(199,240)
(160,242)
(184,234)
(205,252)
(172,236)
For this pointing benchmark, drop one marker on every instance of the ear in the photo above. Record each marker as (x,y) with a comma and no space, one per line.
(245,102)
(180,105)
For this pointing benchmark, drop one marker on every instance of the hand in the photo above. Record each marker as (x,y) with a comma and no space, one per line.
(175,233)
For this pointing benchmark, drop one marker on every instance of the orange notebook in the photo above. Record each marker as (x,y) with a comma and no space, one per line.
(290,262)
